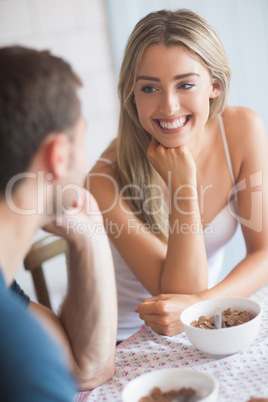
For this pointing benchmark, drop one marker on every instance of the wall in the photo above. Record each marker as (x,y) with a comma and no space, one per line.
(77,31)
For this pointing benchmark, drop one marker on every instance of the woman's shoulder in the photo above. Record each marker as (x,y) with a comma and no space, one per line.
(243,127)
(101,179)
(245,134)
(242,120)
(106,161)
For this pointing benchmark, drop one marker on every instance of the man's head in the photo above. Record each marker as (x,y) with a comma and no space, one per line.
(38,96)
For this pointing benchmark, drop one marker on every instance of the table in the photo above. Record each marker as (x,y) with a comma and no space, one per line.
(241,375)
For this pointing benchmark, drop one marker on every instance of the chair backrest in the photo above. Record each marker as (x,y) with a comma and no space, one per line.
(41,251)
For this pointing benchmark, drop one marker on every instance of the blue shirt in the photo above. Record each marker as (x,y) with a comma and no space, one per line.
(15,287)
(32,367)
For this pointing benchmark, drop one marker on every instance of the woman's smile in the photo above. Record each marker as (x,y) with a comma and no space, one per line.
(171,126)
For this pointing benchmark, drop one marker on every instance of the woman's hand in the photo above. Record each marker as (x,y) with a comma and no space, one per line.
(162,312)
(173,164)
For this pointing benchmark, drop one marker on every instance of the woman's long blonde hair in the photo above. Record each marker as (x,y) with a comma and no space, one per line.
(136,175)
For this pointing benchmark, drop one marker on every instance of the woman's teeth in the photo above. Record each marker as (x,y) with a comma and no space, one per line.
(168,125)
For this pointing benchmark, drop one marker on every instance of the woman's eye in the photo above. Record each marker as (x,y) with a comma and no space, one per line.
(147,89)
(186,85)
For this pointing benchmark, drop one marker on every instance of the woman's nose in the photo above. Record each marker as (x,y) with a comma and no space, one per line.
(169,104)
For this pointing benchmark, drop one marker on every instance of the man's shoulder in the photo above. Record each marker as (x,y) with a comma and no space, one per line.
(31,357)
(22,337)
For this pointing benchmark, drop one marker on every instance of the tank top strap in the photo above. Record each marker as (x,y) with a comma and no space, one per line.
(106,160)
(226,149)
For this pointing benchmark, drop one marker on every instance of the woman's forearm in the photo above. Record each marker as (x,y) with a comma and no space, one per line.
(245,279)
(185,269)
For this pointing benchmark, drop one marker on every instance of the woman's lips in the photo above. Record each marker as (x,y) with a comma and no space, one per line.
(171,126)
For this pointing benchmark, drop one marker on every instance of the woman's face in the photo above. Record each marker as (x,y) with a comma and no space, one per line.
(171,93)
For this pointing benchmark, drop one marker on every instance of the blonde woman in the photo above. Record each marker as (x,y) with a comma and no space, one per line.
(184,170)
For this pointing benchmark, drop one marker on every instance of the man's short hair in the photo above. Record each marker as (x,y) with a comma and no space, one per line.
(38,96)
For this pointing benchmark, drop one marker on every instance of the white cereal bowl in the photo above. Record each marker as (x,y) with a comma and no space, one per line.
(206,386)
(225,341)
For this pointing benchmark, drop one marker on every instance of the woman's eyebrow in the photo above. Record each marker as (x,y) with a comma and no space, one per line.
(147,78)
(177,77)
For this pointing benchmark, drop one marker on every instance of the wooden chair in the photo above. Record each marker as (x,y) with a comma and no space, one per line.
(41,251)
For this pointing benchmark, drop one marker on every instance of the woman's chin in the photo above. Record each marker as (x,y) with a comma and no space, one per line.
(172,143)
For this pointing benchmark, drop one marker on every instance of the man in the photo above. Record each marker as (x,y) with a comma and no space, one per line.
(42,167)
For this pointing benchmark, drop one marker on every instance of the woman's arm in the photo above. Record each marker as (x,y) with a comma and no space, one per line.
(185,266)
(161,312)
(179,266)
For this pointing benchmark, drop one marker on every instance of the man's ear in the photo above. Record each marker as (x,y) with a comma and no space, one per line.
(57,154)
(215,90)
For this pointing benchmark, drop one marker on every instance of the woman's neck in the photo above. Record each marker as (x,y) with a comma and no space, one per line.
(202,143)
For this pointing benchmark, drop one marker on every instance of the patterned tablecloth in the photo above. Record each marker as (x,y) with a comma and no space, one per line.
(241,375)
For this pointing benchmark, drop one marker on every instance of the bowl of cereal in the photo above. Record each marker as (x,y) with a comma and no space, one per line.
(172,384)
(239,325)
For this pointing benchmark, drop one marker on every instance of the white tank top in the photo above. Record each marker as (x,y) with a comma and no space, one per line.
(131,292)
